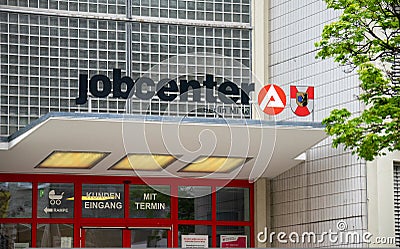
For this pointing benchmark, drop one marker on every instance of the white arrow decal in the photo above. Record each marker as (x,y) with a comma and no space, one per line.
(272,99)
(47,210)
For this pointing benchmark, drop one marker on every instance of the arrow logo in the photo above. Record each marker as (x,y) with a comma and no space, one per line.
(47,210)
(272,99)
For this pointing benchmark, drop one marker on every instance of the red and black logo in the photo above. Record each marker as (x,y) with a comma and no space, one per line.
(302,100)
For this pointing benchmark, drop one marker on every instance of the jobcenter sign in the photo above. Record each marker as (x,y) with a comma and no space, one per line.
(166,89)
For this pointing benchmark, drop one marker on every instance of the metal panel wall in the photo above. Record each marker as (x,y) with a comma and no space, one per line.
(396,180)
(330,186)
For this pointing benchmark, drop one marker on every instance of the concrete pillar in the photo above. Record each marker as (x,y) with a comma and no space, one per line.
(262,205)
(260,48)
(380,194)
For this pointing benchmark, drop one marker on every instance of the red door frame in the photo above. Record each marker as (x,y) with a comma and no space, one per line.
(172,222)
(126,234)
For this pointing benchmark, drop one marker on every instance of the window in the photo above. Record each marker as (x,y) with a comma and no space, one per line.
(233,204)
(102,200)
(55,200)
(194,203)
(55,235)
(195,229)
(15,199)
(13,235)
(233,230)
(117,210)
(149,201)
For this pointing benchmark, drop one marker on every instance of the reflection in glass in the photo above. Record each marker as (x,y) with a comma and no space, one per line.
(108,237)
(15,200)
(149,202)
(149,238)
(194,203)
(10,234)
(233,204)
(55,235)
(195,230)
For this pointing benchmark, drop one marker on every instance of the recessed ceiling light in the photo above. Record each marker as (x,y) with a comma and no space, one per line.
(214,164)
(144,162)
(72,159)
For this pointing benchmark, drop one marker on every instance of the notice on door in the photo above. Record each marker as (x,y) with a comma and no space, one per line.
(194,241)
(21,245)
(233,241)
(66,242)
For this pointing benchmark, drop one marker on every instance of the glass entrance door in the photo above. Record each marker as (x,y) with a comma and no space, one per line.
(149,237)
(132,237)
(97,237)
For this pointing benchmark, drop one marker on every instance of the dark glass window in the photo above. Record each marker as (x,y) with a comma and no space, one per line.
(194,230)
(55,235)
(233,204)
(13,235)
(194,203)
(232,230)
(102,200)
(15,200)
(55,200)
(149,238)
(149,201)
(103,238)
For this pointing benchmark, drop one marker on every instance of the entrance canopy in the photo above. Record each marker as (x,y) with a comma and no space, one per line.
(157,146)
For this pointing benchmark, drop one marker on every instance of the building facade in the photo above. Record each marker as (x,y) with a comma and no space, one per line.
(330,186)
(51,49)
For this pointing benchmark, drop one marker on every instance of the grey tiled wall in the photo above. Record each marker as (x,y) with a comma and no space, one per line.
(331,185)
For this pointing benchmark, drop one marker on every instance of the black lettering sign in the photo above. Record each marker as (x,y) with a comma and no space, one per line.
(100,86)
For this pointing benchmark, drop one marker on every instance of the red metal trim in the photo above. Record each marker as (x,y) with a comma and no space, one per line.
(174,215)
(78,233)
(121,179)
(252,211)
(126,238)
(126,200)
(82,237)
(214,217)
(169,242)
(34,212)
(173,221)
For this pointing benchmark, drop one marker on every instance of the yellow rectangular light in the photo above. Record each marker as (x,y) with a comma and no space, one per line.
(144,162)
(205,164)
(72,159)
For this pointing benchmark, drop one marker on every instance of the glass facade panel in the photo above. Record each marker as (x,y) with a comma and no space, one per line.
(55,200)
(233,204)
(190,53)
(103,222)
(55,235)
(43,55)
(233,230)
(195,230)
(149,202)
(55,50)
(149,238)
(12,235)
(95,6)
(102,200)
(203,10)
(15,200)
(103,238)
(194,203)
